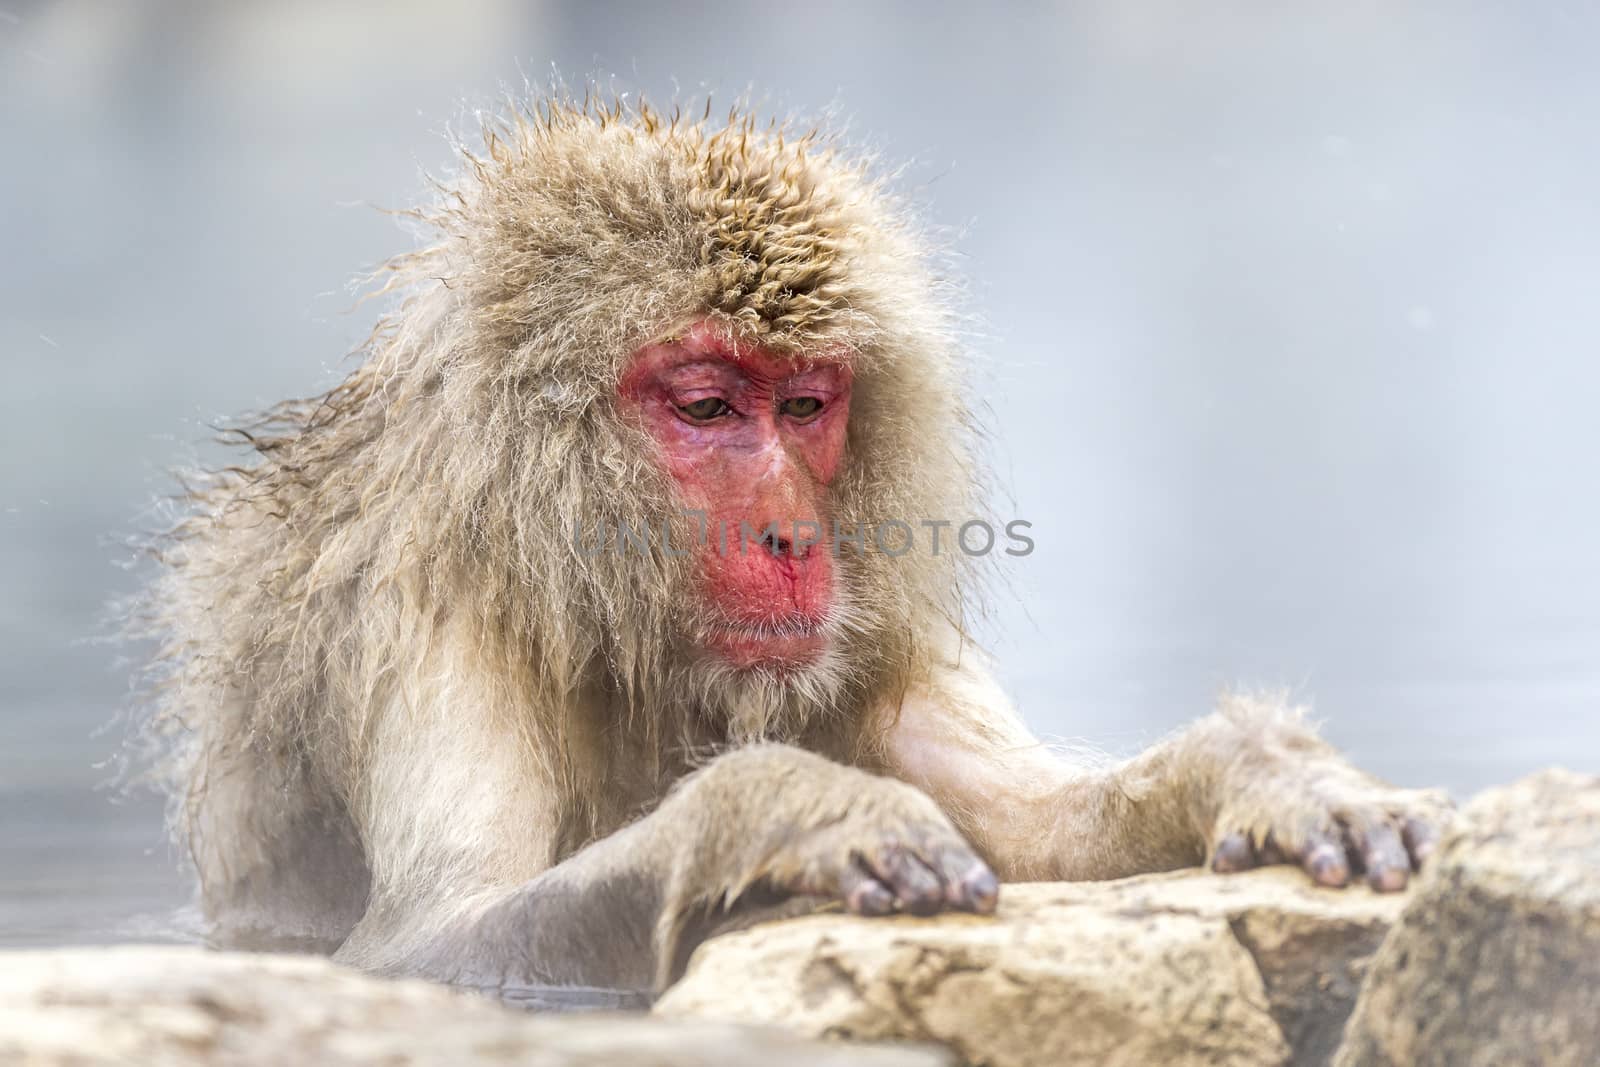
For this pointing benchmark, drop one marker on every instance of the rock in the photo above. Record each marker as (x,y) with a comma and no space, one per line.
(1183,968)
(180,1006)
(1496,958)
(1493,958)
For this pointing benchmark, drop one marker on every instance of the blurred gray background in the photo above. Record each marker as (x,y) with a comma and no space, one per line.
(1289,327)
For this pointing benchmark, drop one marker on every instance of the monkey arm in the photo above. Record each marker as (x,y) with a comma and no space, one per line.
(759,831)
(624,912)
(1033,814)
(1251,783)
(598,919)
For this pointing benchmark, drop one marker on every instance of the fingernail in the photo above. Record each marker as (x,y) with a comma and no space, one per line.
(871,899)
(1233,854)
(1386,879)
(1327,866)
(981,888)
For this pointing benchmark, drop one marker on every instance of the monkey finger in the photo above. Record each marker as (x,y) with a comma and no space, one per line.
(1387,865)
(969,884)
(1234,853)
(862,892)
(1420,840)
(1325,860)
(917,888)
(980,889)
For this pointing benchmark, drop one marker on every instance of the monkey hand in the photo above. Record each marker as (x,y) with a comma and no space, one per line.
(901,855)
(1282,795)
(796,824)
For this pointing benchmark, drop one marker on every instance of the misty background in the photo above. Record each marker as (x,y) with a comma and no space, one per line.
(1287,317)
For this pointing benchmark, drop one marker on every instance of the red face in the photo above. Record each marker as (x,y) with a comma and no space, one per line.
(751,438)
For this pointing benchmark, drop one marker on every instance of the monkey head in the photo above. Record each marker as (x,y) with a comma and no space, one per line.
(622,318)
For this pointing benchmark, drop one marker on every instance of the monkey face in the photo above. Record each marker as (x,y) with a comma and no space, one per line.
(751,439)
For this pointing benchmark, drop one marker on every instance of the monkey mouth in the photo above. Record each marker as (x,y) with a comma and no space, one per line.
(789,641)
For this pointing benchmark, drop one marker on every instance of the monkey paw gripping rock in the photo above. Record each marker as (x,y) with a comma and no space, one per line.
(1496,959)
(1492,958)
(1185,968)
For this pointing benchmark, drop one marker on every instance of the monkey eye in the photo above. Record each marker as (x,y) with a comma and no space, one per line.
(801,407)
(705,409)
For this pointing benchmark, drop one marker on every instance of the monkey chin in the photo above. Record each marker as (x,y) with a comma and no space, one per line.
(774,645)
(750,648)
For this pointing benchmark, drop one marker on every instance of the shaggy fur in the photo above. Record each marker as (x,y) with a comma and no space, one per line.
(395,699)
(430,498)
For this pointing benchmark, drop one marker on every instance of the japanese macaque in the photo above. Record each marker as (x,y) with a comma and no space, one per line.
(424,709)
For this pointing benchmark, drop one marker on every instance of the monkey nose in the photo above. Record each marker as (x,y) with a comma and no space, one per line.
(784,547)
(794,539)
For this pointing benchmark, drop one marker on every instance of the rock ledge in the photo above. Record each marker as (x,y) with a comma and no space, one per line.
(1174,969)
(1492,958)
(179,1006)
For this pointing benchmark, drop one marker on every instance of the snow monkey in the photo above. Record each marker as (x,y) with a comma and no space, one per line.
(548,640)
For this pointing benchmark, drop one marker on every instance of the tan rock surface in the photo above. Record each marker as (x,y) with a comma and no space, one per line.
(164,1006)
(1496,959)
(1186,968)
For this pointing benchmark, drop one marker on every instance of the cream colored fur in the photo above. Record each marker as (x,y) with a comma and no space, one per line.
(394,701)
